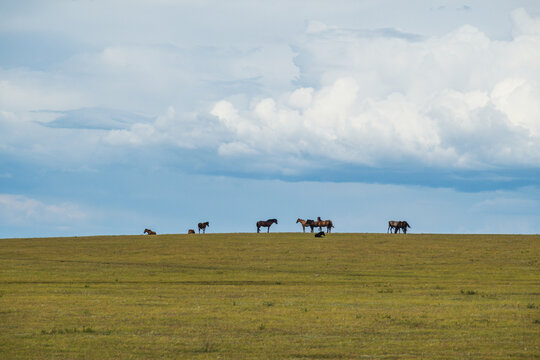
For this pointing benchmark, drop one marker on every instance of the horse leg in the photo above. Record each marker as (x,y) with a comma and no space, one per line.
(258,229)
(268,231)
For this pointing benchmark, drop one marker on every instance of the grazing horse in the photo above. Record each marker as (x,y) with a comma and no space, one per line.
(203,227)
(304,223)
(403,225)
(392,225)
(266,223)
(191,231)
(149,232)
(320,234)
(325,223)
(397,226)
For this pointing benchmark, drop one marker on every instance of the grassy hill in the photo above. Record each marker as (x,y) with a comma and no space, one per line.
(275,296)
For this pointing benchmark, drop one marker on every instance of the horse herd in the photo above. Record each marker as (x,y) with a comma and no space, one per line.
(396,226)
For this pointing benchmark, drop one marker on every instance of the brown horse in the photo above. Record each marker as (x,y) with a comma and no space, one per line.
(149,232)
(397,226)
(402,225)
(304,223)
(312,224)
(202,226)
(266,223)
(325,223)
(191,231)
(328,224)
(392,225)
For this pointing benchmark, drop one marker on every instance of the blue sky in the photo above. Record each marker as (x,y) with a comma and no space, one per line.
(121,115)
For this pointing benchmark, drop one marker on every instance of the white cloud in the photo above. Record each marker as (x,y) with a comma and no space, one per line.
(459,100)
(20,209)
(368,97)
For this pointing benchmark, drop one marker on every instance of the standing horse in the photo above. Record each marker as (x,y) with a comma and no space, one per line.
(312,224)
(325,223)
(402,225)
(392,225)
(304,223)
(149,232)
(266,223)
(202,226)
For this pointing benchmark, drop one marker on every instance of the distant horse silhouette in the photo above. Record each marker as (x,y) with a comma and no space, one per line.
(312,224)
(191,231)
(325,223)
(304,223)
(396,226)
(203,227)
(392,225)
(266,223)
(328,224)
(402,225)
(320,234)
(149,232)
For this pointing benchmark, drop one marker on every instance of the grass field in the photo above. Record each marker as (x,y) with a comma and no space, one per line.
(271,296)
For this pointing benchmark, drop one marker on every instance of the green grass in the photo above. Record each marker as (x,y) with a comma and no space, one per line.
(271,296)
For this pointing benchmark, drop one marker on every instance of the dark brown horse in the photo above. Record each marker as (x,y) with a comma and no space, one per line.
(397,226)
(202,226)
(149,232)
(266,223)
(312,224)
(191,231)
(304,223)
(402,225)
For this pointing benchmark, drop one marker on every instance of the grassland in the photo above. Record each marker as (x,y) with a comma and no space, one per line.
(271,296)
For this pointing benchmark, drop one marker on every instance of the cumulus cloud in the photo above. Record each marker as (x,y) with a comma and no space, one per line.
(334,94)
(459,100)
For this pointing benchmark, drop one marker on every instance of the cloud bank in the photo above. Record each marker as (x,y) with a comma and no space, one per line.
(457,101)
(334,95)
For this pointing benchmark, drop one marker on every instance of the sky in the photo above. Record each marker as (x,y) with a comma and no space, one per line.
(116,116)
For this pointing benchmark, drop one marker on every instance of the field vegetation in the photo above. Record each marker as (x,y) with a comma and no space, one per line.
(271,296)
